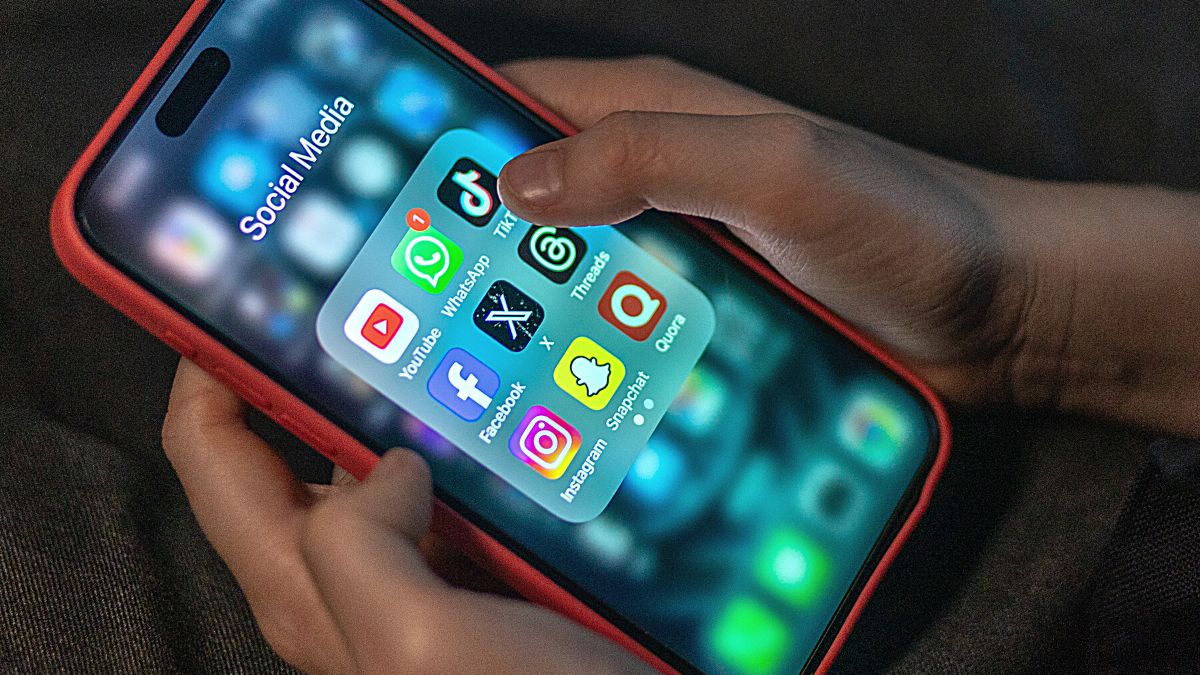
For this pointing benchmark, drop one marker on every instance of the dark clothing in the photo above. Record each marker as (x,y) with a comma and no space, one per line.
(1023,563)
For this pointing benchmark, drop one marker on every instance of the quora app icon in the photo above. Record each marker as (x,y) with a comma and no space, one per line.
(632,305)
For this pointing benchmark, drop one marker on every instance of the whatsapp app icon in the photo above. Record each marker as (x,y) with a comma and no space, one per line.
(427,258)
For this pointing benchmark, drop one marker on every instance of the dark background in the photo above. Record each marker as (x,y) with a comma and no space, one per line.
(102,567)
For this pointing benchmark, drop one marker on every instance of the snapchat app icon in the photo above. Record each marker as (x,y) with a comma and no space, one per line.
(589,373)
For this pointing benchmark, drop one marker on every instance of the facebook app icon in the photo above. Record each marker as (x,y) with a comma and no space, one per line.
(464,385)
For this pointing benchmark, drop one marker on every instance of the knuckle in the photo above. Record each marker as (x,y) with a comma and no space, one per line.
(630,145)
(797,138)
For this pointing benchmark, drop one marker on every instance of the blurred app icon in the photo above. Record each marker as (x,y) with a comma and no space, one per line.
(752,486)
(666,252)
(425,437)
(427,258)
(874,431)
(280,107)
(381,326)
(503,135)
(345,379)
(832,497)
(191,242)
(274,304)
(413,102)
(793,567)
(657,472)
(234,171)
(369,167)
(126,177)
(750,638)
(759,341)
(321,235)
(332,44)
(470,191)
(697,408)
(608,539)
(589,373)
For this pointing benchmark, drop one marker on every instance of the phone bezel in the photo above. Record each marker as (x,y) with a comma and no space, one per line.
(888,541)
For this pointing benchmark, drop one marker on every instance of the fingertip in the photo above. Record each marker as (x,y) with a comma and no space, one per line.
(532,181)
(401,462)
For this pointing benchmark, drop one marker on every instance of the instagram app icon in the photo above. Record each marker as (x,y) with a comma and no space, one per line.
(545,442)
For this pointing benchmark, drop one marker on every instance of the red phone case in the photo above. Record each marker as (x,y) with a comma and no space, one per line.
(94,272)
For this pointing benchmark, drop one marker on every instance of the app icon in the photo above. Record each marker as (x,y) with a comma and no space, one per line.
(656,472)
(554,251)
(191,242)
(234,171)
(464,385)
(321,235)
(470,191)
(275,304)
(331,43)
(427,258)
(793,567)
(545,442)
(413,102)
(509,316)
(831,496)
(504,135)
(370,167)
(697,408)
(590,373)
(874,431)
(608,539)
(381,326)
(632,305)
(750,638)
(269,107)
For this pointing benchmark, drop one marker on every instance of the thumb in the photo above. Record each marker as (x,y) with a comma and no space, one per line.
(361,545)
(725,167)
(878,232)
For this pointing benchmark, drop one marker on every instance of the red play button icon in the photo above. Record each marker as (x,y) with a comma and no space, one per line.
(382,326)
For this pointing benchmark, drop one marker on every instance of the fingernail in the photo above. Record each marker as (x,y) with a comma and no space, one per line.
(535,178)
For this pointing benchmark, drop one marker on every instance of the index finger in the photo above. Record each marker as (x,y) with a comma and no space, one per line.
(245,497)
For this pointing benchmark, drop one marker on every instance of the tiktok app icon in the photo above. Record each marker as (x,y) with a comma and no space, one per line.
(470,191)
(553,251)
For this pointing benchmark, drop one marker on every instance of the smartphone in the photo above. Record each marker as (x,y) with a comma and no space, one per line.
(643,427)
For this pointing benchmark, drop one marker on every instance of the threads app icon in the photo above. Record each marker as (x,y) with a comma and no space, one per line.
(554,252)
(545,442)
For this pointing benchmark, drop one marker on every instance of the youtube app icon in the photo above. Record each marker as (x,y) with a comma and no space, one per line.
(381,326)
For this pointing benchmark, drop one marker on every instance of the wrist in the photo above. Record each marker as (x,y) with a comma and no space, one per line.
(1111,311)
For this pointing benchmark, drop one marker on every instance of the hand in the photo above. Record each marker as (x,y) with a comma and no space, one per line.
(336,577)
(996,290)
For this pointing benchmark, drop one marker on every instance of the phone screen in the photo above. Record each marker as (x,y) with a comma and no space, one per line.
(641,417)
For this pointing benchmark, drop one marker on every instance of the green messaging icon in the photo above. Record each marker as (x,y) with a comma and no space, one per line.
(427,258)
